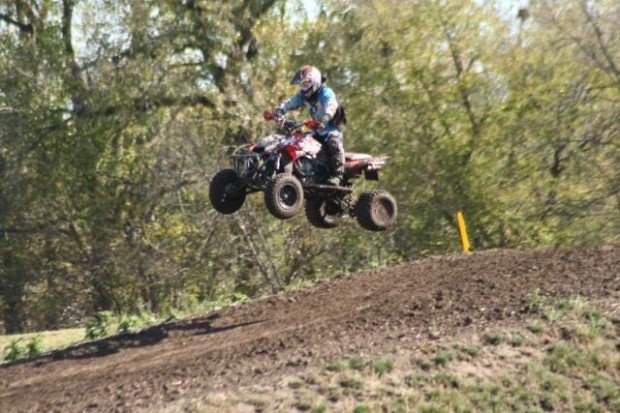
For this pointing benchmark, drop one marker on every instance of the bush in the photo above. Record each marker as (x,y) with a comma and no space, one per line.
(34,346)
(99,326)
(15,351)
(134,323)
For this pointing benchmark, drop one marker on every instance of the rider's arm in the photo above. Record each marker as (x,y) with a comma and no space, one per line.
(330,105)
(293,103)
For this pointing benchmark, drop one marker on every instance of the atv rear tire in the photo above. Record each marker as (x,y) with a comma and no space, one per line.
(376,211)
(225,192)
(323,214)
(284,196)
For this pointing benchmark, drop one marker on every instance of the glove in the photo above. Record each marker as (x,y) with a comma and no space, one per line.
(278,113)
(313,124)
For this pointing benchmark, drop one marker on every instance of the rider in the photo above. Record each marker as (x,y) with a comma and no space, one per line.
(327,113)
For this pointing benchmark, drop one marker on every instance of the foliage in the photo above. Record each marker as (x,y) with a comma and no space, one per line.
(34,346)
(115,115)
(15,350)
(100,325)
(133,323)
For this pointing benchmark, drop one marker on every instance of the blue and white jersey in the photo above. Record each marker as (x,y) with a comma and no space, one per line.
(323,108)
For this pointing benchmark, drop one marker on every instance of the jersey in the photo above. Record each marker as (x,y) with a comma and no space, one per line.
(322,107)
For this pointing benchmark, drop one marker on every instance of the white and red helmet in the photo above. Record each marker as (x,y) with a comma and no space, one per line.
(309,80)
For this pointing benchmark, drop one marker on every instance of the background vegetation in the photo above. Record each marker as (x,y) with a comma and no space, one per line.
(114,115)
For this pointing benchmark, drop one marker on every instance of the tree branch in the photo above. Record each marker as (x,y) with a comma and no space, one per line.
(25,28)
(601,43)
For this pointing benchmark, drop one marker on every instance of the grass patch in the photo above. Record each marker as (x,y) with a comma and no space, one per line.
(595,322)
(297,384)
(493,338)
(21,348)
(103,324)
(607,392)
(303,406)
(259,403)
(562,357)
(441,359)
(471,350)
(357,363)
(351,382)
(447,380)
(361,408)
(335,367)
(415,380)
(382,366)
(517,339)
(424,364)
(319,408)
(36,343)
(535,329)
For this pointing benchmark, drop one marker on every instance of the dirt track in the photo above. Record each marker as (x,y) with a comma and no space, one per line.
(401,305)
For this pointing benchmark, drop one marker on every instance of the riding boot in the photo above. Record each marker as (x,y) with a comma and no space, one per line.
(335,151)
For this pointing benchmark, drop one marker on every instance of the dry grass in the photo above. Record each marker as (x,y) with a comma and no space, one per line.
(50,340)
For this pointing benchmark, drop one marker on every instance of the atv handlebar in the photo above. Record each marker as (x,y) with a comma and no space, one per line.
(292,124)
(286,124)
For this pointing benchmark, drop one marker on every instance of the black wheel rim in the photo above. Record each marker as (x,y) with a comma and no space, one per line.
(287,196)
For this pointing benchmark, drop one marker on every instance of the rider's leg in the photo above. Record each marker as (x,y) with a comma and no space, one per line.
(335,152)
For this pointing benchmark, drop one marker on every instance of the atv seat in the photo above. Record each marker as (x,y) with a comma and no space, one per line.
(350,156)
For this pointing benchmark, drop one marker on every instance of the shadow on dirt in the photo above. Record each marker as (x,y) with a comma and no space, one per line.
(146,337)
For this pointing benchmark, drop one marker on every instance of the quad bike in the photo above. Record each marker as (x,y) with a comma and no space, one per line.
(290,167)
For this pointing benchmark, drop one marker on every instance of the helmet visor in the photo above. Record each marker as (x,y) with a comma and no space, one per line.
(296,80)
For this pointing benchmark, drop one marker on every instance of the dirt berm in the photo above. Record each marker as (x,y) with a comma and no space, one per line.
(403,305)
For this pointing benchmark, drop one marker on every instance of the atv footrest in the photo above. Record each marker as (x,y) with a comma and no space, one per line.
(328,188)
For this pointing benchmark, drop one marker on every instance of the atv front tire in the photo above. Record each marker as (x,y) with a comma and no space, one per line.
(323,214)
(376,211)
(226,192)
(284,196)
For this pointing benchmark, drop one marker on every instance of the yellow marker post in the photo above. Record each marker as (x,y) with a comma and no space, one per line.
(463,232)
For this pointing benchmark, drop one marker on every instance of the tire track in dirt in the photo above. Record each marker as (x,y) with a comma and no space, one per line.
(262,340)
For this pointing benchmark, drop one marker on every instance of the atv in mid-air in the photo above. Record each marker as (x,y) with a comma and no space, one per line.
(289,167)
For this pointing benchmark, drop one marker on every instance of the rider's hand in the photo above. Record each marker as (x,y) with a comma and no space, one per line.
(313,124)
(278,113)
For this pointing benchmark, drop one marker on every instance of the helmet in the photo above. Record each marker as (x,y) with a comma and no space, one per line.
(309,80)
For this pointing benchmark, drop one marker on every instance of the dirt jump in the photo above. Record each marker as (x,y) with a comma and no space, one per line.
(264,340)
